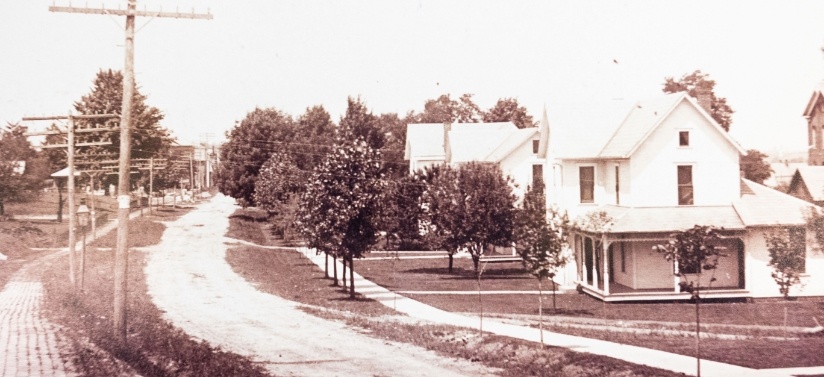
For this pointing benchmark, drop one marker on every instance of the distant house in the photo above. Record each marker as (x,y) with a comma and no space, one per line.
(814,113)
(807,183)
(782,174)
(521,153)
(667,167)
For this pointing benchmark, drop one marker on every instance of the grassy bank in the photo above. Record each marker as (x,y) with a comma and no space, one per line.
(155,348)
(288,274)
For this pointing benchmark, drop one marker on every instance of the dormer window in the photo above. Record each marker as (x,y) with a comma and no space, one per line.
(683,138)
(535,146)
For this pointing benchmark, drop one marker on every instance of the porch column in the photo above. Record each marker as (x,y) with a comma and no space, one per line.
(605,251)
(579,249)
(676,280)
(594,264)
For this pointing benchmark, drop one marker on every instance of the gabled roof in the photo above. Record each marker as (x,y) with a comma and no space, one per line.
(813,179)
(424,140)
(645,117)
(763,206)
(511,143)
(476,142)
(818,92)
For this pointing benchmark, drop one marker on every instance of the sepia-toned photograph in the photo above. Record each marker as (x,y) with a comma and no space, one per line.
(411,188)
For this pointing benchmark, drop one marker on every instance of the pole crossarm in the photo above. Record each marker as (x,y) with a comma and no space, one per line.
(128,12)
(77,130)
(78,116)
(91,144)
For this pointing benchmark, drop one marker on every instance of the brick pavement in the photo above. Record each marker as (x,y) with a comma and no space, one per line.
(29,345)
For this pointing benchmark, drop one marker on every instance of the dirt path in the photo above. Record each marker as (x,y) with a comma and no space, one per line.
(189,279)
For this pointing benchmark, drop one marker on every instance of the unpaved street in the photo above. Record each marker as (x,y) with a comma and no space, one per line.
(189,279)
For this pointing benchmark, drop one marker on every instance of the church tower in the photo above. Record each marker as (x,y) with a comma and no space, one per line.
(814,113)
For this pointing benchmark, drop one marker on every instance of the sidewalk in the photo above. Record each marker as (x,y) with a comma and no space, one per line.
(29,343)
(633,354)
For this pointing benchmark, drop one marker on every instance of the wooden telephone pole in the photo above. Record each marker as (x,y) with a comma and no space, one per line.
(70,145)
(123,198)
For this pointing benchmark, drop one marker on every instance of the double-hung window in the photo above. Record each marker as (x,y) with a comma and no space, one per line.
(586,176)
(685,189)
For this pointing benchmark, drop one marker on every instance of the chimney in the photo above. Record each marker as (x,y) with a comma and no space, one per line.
(446,150)
(703,95)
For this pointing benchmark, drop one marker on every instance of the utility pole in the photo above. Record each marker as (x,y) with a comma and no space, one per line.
(123,198)
(70,145)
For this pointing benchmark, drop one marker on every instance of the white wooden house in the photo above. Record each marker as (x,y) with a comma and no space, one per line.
(667,167)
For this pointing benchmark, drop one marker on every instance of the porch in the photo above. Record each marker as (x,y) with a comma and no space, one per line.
(623,267)
(621,293)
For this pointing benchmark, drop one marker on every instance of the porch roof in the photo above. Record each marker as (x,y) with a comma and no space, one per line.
(762,206)
(671,219)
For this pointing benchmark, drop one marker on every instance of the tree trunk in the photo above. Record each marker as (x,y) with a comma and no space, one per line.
(450,262)
(335,270)
(351,277)
(553,296)
(541,310)
(2,208)
(344,272)
(475,260)
(326,265)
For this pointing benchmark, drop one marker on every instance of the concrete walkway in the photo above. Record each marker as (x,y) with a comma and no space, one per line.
(632,354)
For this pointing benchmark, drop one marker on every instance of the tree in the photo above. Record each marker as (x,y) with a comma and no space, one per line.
(403,212)
(16,155)
(755,167)
(340,208)
(443,211)
(787,250)
(394,130)
(694,252)
(540,241)
(249,145)
(446,110)
(361,123)
(277,184)
(315,134)
(697,81)
(508,110)
(473,207)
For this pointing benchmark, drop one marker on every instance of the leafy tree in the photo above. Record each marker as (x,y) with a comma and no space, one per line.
(277,184)
(508,110)
(315,134)
(16,155)
(540,241)
(394,131)
(691,83)
(403,212)
(787,258)
(695,251)
(755,167)
(446,110)
(477,209)
(249,145)
(340,209)
(443,209)
(361,123)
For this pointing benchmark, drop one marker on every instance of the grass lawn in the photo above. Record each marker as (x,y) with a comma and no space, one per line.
(155,347)
(289,274)
(431,275)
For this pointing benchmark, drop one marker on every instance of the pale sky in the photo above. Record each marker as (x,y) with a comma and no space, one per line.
(205,75)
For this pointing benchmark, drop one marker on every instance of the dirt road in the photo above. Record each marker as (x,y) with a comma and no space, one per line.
(189,279)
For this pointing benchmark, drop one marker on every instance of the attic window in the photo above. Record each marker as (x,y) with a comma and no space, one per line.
(684,138)
(535,145)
